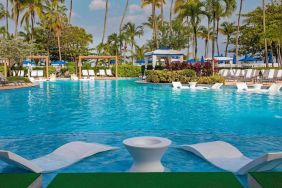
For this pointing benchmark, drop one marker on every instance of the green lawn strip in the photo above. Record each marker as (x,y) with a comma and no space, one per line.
(17,180)
(148,180)
(268,179)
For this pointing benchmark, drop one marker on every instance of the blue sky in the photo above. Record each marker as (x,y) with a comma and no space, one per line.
(90,15)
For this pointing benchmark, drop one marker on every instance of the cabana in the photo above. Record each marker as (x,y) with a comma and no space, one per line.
(80,58)
(172,55)
(46,62)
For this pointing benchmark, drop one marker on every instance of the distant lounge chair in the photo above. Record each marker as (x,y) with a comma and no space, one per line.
(109,72)
(20,73)
(216,86)
(273,89)
(74,77)
(91,74)
(227,157)
(279,75)
(85,74)
(268,75)
(249,74)
(102,72)
(62,157)
(178,85)
(53,77)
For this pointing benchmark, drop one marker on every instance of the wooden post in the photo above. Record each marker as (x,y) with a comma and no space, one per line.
(5,68)
(47,68)
(79,66)
(116,66)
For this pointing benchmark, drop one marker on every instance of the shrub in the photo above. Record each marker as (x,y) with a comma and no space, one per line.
(211,79)
(128,70)
(188,73)
(2,69)
(69,67)
(26,80)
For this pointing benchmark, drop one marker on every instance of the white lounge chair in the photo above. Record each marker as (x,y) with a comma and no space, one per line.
(62,157)
(279,75)
(74,77)
(53,78)
(34,73)
(193,86)
(178,85)
(273,89)
(91,74)
(102,72)
(216,86)
(85,74)
(249,74)
(227,157)
(109,72)
(225,72)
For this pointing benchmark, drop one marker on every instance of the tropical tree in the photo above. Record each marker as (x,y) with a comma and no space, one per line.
(30,9)
(227,29)
(55,19)
(154,4)
(70,11)
(139,52)
(132,31)
(7,17)
(238,30)
(105,20)
(123,15)
(208,13)
(17,7)
(192,9)
(264,33)
(206,34)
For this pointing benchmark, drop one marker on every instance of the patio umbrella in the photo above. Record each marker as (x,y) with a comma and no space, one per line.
(28,62)
(234,59)
(58,63)
(191,61)
(202,59)
(248,59)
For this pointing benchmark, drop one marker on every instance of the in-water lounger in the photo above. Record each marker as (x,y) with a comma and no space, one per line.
(62,157)
(227,157)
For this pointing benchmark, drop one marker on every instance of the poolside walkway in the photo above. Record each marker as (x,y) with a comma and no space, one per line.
(12,86)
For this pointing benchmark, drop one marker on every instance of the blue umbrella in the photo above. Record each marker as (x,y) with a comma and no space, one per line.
(58,63)
(191,61)
(202,59)
(248,59)
(270,58)
(28,62)
(234,59)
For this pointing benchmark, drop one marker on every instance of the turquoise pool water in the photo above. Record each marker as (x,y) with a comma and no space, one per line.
(35,121)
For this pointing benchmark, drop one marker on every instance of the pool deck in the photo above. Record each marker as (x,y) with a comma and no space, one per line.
(10,87)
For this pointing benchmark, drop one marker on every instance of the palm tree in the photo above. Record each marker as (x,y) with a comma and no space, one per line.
(193,9)
(17,6)
(123,15)
(208,14)
(55,17)
(31,8)
(139,52)
(70,13)
(170,16)
(154,4)
(238,30)
(264,33)
(7,17)
(105,20)
(206,35)
(132,31)
(227,29)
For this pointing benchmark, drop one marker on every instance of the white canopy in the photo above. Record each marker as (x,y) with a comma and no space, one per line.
(172,54)
(228,59)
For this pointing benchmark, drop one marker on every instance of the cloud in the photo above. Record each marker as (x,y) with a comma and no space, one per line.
(98,4)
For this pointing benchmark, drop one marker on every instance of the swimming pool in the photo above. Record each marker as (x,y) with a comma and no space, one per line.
(34,121)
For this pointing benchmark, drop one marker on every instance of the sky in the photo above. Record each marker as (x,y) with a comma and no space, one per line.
(90,15)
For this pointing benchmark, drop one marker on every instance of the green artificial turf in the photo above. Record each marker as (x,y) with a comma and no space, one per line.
(268,179)
(146,180)
(17,180)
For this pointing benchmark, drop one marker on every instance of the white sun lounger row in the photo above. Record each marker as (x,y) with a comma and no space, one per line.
(249,74)
(88,74)
(193,86)
(221,154)
(19,73)
(273,89)
(107,72)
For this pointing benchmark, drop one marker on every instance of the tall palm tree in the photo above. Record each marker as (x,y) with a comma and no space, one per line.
(264,33)
(7,17)
(121,23)
(132,31)
(17,6)
(55,17)
(238,30)
(105,20)
(208,14)
(206,34)
(70,13)
(194,10)
(154,4)
(31,8)
(227,29)
(170,16)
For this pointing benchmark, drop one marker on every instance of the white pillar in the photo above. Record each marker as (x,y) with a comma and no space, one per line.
(181,59)
(154,61)
(146,62)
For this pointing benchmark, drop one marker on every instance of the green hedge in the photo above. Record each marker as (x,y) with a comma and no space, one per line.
(128,71)
(16,78)
(183,76)
(2,69)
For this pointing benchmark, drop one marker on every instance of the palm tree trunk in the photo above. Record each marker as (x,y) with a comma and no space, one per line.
(162,12)
(207,48)
(59,46)
(264,32)
(170,17)
(7,18)
(217,33)
(154,24)
(123,16)
(70,13)
(16,24)
(32,25)
(196,43)
(188,47)
(227,44)
(238,31)
(132,46)
(213,44)
(105,21)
